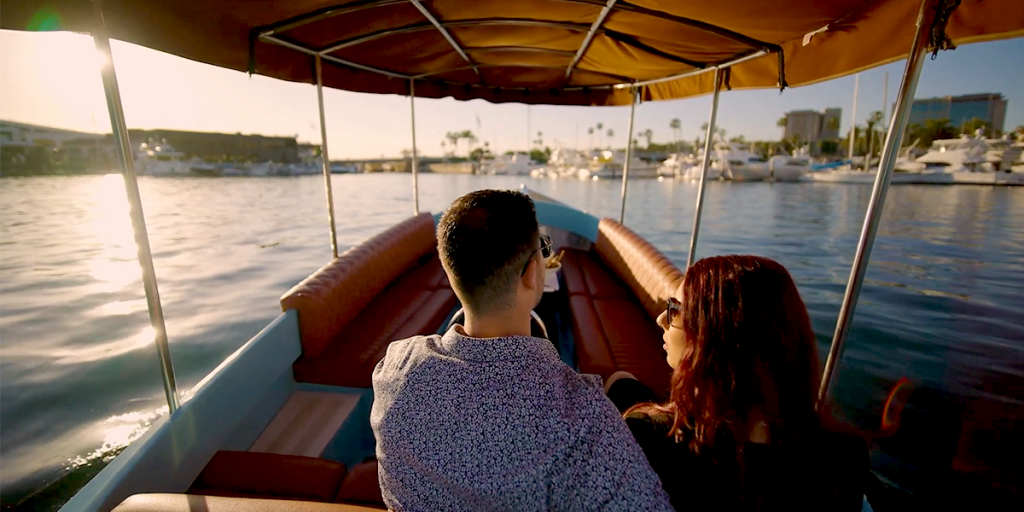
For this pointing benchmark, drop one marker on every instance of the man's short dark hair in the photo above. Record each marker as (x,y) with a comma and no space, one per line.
(484,239)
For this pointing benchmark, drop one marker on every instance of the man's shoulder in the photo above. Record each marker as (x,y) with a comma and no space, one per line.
(405,352)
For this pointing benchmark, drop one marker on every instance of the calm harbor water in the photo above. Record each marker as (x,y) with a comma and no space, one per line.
(943,303)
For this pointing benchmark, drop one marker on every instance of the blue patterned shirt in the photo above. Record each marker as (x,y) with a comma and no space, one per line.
(501,424)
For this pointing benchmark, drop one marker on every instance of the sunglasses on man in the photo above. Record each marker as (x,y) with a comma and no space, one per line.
(545,251)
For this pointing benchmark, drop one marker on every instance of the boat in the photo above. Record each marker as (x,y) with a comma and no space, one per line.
(788,168)
(1003,153)
(675,166)
(611,164)
(966,154)
(562,163)
(282,423)
(737,163)
(201,168)
(161,159)
(515,164)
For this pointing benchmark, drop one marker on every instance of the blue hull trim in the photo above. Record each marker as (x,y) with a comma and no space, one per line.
(249,386)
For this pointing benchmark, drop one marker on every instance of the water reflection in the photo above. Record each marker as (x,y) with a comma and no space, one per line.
(114,265)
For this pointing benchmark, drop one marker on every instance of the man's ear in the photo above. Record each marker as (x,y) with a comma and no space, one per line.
(529,279)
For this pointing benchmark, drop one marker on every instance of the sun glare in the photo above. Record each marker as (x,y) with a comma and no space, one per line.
(116,266)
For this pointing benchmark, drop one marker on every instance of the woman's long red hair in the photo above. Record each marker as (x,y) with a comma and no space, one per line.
(748,347)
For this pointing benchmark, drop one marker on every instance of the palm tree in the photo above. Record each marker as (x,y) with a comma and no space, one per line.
(453,141)
(600,126)
(590,131)
(648,134)
(781,123)
(540,139)
(611,133)
(677,131)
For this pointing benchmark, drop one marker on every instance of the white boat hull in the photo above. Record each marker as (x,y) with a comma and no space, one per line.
(747,173)
(920,178)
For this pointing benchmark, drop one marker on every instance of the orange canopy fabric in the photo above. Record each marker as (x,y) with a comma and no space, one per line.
(564,52)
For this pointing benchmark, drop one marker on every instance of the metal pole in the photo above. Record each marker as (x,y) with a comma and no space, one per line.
(704,167)
(123,149)
(853,117)
(874,213)
(415,159)
(324,154)
(629,155)
(529,142)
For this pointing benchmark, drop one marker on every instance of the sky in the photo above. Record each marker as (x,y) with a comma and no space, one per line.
(53,79)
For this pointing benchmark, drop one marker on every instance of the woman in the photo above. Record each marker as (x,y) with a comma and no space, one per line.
(740,431)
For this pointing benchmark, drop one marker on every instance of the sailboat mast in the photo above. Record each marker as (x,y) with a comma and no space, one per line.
(853,115)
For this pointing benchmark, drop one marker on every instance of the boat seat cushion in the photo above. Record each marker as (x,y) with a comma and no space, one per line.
(193,503)
(269,475)
(651,276)
(362,486)
(616,292)
(401,311)
(329,299)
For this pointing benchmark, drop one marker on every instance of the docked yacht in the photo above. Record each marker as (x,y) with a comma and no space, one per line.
(675,166)
(516,164)
(562,163)
(610,165)
(788,167)
(1003,153)
(966,154)
(737,163)
(161,159)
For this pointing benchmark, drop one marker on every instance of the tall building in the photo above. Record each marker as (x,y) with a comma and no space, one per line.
(989,107)
(813,126)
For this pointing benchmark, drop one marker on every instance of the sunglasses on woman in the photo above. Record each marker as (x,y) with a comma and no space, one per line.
(545,251)
(673,310)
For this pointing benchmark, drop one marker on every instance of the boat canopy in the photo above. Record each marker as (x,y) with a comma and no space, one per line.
(563,52)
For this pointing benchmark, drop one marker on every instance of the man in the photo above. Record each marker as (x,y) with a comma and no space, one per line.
(487,417)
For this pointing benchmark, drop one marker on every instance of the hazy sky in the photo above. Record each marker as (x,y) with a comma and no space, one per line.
(52,79)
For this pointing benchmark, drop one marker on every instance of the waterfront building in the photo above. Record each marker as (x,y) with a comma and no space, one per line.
(988,107)
(813,126)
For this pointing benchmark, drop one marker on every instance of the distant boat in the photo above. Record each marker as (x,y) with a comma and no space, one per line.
(201,168)
(160,159)
(737,163)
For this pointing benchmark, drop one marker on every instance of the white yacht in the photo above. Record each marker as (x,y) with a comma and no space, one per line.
(610,165)
(737,163)
(161,159)
(1003,153)
(562,163)
(675,166)
(966,154)
(516,164)
(789,167)
(696,167)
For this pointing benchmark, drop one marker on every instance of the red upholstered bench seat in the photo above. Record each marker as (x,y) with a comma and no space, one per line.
(269,475)
(406,308)
(616,292)
(387,288)
(288,477)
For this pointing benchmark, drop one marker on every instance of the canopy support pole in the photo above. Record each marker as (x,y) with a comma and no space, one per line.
(708,145)
(629,154)
(898,123)
(415,159)
(324,156)
(123,148)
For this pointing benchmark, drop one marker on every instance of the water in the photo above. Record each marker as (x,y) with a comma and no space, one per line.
(943,301)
